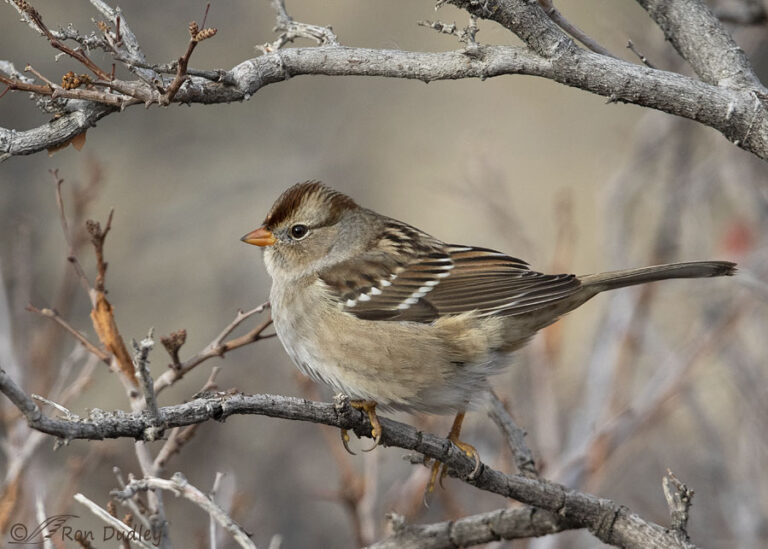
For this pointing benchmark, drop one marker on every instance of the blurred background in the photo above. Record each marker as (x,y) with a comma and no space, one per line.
(672,375)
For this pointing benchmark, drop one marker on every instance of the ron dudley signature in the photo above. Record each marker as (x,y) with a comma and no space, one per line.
(56,527)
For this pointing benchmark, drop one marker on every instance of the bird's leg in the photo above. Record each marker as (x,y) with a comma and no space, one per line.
(369,407)
(439,469)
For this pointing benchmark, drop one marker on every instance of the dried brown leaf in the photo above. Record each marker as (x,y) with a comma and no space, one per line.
(77,142)
(103,319)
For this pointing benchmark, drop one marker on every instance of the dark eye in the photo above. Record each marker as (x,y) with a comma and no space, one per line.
(299,231)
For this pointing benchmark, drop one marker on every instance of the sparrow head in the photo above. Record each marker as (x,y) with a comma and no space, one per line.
(303,230)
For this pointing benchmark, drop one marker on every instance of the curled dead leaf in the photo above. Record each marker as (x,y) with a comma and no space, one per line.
(78,142)
(103,319)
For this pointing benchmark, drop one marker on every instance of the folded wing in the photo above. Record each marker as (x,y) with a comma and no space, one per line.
(423,285)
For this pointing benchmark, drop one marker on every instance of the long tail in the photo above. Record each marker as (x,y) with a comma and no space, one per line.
(691,269)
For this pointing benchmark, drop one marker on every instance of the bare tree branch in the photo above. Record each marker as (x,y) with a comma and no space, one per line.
(515,437)
(141,362)
(701,39)
(608,521)
(179,486)
(730,99)
(112,521)
(502,524)
(573,30)
(56,317)
(679,498)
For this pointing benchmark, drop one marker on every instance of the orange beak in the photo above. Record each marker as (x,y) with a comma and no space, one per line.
(260,237)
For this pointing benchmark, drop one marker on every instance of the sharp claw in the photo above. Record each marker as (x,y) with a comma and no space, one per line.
(376,440)
(443,472)
(430,487)
(440,470)
(345,441)
(469,451)
(473,474)
(369,408)
(476,470)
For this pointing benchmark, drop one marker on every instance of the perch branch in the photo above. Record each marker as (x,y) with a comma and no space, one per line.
(609,522)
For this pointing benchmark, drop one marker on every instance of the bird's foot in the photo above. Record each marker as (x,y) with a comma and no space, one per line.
(439,469)
(369,407)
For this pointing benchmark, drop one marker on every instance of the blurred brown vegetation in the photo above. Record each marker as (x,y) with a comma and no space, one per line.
(672,375)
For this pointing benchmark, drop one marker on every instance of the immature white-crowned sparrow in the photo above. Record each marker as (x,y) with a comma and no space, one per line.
(392,316)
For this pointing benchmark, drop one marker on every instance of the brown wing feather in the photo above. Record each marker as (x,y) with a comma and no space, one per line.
(446,280)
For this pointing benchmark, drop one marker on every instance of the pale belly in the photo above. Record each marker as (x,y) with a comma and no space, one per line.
(400,365)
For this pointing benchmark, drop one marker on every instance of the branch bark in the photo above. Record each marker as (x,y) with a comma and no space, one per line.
(502,524)
(608,521)
(700,38)
(730,98)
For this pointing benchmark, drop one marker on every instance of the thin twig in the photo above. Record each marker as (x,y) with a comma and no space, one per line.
(679,499)
(514,435)
(573,30)
(643,58)
(196,36)
(181,435)
(131,502)
(291,30)
(53,315)
(112,521)
(67,413)
(30,68)
(79,55)
(212,521)
(98,236)
(114,100)
(141,363)
(217,348)
(466,35)
(179,486)
(71,257)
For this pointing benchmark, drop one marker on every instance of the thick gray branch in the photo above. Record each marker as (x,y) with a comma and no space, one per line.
(701,39)
(527,19)
(731,99)
(739,115)
(608,521)
(503,524)
(84,115)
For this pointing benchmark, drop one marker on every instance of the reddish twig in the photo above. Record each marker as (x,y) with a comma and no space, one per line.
(77,54)
(97,239)
(57,92)
(217,347)
(196,36)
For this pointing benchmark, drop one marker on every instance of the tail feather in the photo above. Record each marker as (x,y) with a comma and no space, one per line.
(691,269)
